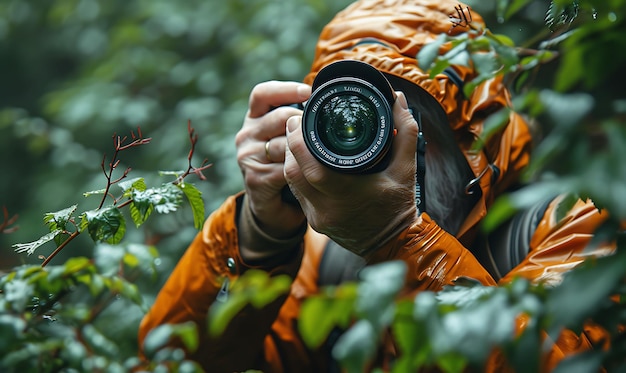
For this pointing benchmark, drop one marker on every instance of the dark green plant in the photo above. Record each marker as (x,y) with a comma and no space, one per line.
(50,314)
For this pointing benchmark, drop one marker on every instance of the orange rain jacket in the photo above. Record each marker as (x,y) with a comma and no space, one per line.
(268,339)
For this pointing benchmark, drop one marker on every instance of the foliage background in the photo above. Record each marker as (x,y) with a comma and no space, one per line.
(73,72)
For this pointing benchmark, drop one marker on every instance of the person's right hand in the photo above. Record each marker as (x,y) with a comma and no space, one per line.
(261,146)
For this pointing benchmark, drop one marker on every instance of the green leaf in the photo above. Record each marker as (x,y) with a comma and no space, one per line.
(566,109)
(131,260)
(315,321)
(140,209)
(137,183)
(171,173)
(94,283)
(412,340)
(452,363)
(485,63)
(512,8)
(565,205)
(507,205)
(77,264)
(194,196)
(429,52)
(156,339)
(594,281)
(30,247)
(11,330)
(571,69)
(356,347)
(379,286)
(160,337)
(507,56)
(105,225)
(99,342)
(131,292)
(164,199)
(94,192)
(505,40)
(440,65)
(321,313)
(275,287)
(561,13)
(18,294)
(221,314)
(492,125)
(58,220)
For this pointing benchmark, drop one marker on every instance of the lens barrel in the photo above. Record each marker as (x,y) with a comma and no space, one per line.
(348,120)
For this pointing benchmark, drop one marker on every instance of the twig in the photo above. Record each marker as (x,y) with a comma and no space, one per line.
(6,222)
(119,146)
(60,247)
(193,138)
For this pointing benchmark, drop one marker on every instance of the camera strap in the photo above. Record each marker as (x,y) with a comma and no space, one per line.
(420,172)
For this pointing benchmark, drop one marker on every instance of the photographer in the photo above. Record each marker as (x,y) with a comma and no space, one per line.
(345,220)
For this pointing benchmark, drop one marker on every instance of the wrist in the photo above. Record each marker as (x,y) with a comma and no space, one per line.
(257,244)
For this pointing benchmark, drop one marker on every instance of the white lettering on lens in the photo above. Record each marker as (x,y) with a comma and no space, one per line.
(374,101)
(320,149)
(317,103)
(353,89)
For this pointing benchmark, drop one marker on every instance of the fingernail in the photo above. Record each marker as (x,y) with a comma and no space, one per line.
(292,123)
(304,91)
(402,100)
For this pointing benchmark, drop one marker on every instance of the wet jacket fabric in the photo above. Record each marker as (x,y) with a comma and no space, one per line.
(268,339)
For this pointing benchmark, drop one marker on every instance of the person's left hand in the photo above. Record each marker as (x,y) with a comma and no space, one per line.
(360,212)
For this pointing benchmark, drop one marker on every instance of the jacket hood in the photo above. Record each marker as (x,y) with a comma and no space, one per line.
(388,34)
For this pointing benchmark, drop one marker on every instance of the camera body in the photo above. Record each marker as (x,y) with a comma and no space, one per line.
(348,121)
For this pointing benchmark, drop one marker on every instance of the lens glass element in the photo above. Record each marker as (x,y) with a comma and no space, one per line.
(347,124)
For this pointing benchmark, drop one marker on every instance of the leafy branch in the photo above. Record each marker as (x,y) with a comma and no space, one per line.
(106,223)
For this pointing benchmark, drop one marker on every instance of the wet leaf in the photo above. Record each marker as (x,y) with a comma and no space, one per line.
(194,196)
(105,225)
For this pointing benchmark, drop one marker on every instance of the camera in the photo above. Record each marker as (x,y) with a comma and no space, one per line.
(348,121)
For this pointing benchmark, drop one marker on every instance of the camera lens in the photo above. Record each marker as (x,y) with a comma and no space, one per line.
(347,124)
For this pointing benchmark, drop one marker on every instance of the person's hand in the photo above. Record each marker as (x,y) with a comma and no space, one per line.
(261,146)
(360,212)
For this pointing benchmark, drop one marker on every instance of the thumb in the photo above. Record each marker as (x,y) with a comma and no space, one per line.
(405,141)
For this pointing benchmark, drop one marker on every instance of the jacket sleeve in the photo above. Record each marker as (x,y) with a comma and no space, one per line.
(558,245)
(211,261)
(434,257)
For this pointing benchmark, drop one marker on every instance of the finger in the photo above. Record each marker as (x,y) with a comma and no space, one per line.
(309,167)
(264,128)
(274,149)
(297,158)
(273,123)
(263,178)
(268,95)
